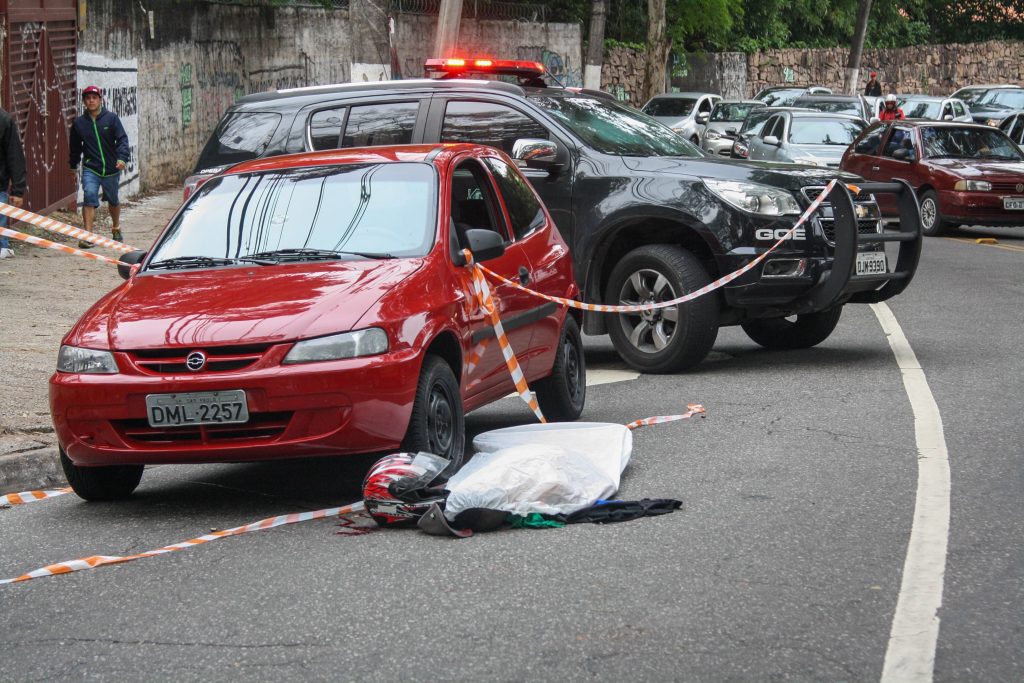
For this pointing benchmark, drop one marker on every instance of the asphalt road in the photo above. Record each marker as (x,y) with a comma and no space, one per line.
(785,562)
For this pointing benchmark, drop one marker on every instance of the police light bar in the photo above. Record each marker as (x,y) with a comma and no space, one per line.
(453,67)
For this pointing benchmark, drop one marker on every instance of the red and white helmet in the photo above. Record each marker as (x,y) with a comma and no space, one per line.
(400,488)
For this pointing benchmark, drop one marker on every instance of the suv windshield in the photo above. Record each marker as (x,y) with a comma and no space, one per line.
(806,131)
(920,109)
(833,106)
(1004,98)
(780,98)
(669,106)
(611,128)
(370,210)
(239,137)
(968,143)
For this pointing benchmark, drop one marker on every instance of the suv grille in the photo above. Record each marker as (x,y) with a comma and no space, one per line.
(218,358)
(868,222)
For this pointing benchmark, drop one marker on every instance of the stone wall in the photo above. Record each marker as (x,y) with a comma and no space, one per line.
(622,74)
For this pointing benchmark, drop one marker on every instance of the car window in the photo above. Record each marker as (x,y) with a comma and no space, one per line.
(832,106)
(773,127)
(367,208)
(780,98)
(239,137)
(705,104)
(968,143)
(524,209)
(325,128)
(870,142)
(919,109)
(1017,131)
(669,106)
(755,121)
(473,205)
(382,123)
(900,138)
(488,123)
(947,110)
(731,111)
(958,109)
(808,131)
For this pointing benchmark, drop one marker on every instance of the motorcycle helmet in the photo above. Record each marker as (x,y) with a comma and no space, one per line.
(401,487)
(890,98)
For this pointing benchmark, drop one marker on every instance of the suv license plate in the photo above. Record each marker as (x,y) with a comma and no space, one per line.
(199,408)
(871,263)
(1013,203)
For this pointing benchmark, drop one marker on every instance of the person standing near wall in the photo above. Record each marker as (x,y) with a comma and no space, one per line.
(873,88)
(99,136)
(12,173)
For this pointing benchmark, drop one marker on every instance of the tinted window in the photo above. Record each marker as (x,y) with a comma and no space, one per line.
(612,128)
(732,112)
(240,136)
(376,208)
(325,128)
(869,143)
(386,123)
(669,106)
(706,105)
(773,127)
(523,207)
(807,131)
(489,124)
(900,138)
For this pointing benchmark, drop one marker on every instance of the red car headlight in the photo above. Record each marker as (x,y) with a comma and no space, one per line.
(369,342)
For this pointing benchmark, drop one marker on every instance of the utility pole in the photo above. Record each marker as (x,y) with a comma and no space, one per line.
(658,47)
(595,45)
(859,33)
(447,37)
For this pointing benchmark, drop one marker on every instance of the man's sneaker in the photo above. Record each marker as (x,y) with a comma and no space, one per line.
(116,235)
(82,244)
(6,253)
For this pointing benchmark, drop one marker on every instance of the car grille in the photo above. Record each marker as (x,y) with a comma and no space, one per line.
(218,358)
(869,225)
(1008,188)
(260,427)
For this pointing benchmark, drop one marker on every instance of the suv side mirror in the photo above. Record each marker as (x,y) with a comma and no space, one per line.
(703,117)
(483,244)
(534,153)
(128,260)
(772,140)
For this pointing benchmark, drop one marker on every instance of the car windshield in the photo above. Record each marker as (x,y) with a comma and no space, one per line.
(970,95)
(1003,99)
(781,98)
(808,131)
(366,210)
(669,106)
(968,143)
(239,137)
(851,107)
(755,122)
(920,109)
(612,128)
(732,111)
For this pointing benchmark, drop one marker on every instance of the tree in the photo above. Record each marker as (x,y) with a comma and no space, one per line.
(656,53)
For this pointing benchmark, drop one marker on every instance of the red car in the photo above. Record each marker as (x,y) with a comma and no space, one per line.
(318,304)
(964,174)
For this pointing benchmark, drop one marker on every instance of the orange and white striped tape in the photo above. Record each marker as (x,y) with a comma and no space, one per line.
(486,301)
(692,409)
(47,244)
(636,308)
(62,228)
(101,560)
(31,496)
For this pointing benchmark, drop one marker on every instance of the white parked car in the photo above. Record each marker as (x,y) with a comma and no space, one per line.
(683,112)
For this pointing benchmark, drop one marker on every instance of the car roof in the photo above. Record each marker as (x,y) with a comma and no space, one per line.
(436,153)
(814,113)
(925,98)
(929,123)
(670,95)
(823,97)
(721,102)
(987,86)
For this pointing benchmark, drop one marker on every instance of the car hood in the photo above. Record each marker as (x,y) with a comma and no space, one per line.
(267,304)
(980,168)
(720,126)
(989,112)
(672,120)
(788,176)
(823,154)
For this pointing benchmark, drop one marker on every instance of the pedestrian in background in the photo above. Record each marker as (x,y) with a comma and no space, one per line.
(873,88)
(12,173)
(99,136)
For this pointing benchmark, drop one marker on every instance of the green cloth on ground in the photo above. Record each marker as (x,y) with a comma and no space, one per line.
(534,520)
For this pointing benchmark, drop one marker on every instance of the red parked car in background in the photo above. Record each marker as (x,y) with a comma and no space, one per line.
(964,174)
(318,304)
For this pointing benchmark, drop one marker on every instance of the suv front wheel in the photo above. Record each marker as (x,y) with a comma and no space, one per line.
(666,339)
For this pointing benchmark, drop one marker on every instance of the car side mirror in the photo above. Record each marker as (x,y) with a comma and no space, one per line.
(772,140)
(126,261)
(535,153)
(703,117)
(875,119)
(947,117)
(483,244)
(730,131)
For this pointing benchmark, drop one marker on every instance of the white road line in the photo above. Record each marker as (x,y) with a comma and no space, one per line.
(910,655)
(610,375)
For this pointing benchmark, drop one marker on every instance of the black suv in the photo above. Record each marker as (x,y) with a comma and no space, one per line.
(647,216)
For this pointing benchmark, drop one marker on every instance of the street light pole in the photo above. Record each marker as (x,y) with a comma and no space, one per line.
(859,33)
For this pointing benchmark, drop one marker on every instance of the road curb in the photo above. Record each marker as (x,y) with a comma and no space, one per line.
(31,470)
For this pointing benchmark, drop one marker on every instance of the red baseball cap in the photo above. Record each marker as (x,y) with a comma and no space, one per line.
(92,90)
(873,74)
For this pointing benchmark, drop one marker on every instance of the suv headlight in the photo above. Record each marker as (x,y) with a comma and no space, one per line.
(972,186)
(85,361)
(368,342)
(755,198)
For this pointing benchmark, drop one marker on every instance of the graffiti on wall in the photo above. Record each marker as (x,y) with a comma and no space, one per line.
(186,95)
(555,64)
(119,81)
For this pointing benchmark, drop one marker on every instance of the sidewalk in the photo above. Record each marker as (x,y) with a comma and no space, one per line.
(42,293)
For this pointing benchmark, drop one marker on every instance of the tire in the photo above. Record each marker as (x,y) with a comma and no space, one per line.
(783,334)
(932,223)
(695,140)
(653,342)
(562,395)
(101,483)
(438,423)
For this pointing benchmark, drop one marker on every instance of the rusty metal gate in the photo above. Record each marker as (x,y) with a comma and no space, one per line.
(40,45)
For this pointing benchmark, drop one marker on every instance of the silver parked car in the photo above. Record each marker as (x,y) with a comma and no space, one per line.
(854,105)
(721,129)
(972,93)
(1013,126)
(805,137)
(784,95)
(934,108)
(683,112)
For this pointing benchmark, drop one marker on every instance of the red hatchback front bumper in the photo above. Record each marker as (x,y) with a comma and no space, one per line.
(979,208)
(356,405)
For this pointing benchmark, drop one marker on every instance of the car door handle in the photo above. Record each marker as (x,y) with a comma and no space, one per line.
(524,276)
(876,168)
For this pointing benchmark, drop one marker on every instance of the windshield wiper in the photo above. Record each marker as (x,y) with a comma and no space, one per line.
(191,262)
(279,255)
(1000,156)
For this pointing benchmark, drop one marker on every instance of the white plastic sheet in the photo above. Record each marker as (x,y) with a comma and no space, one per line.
(554,468)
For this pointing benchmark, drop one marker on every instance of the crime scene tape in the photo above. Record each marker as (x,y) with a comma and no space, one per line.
(102,560)
(693,409)
(47,244)
(62,228)
(636,308)
(31,496)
